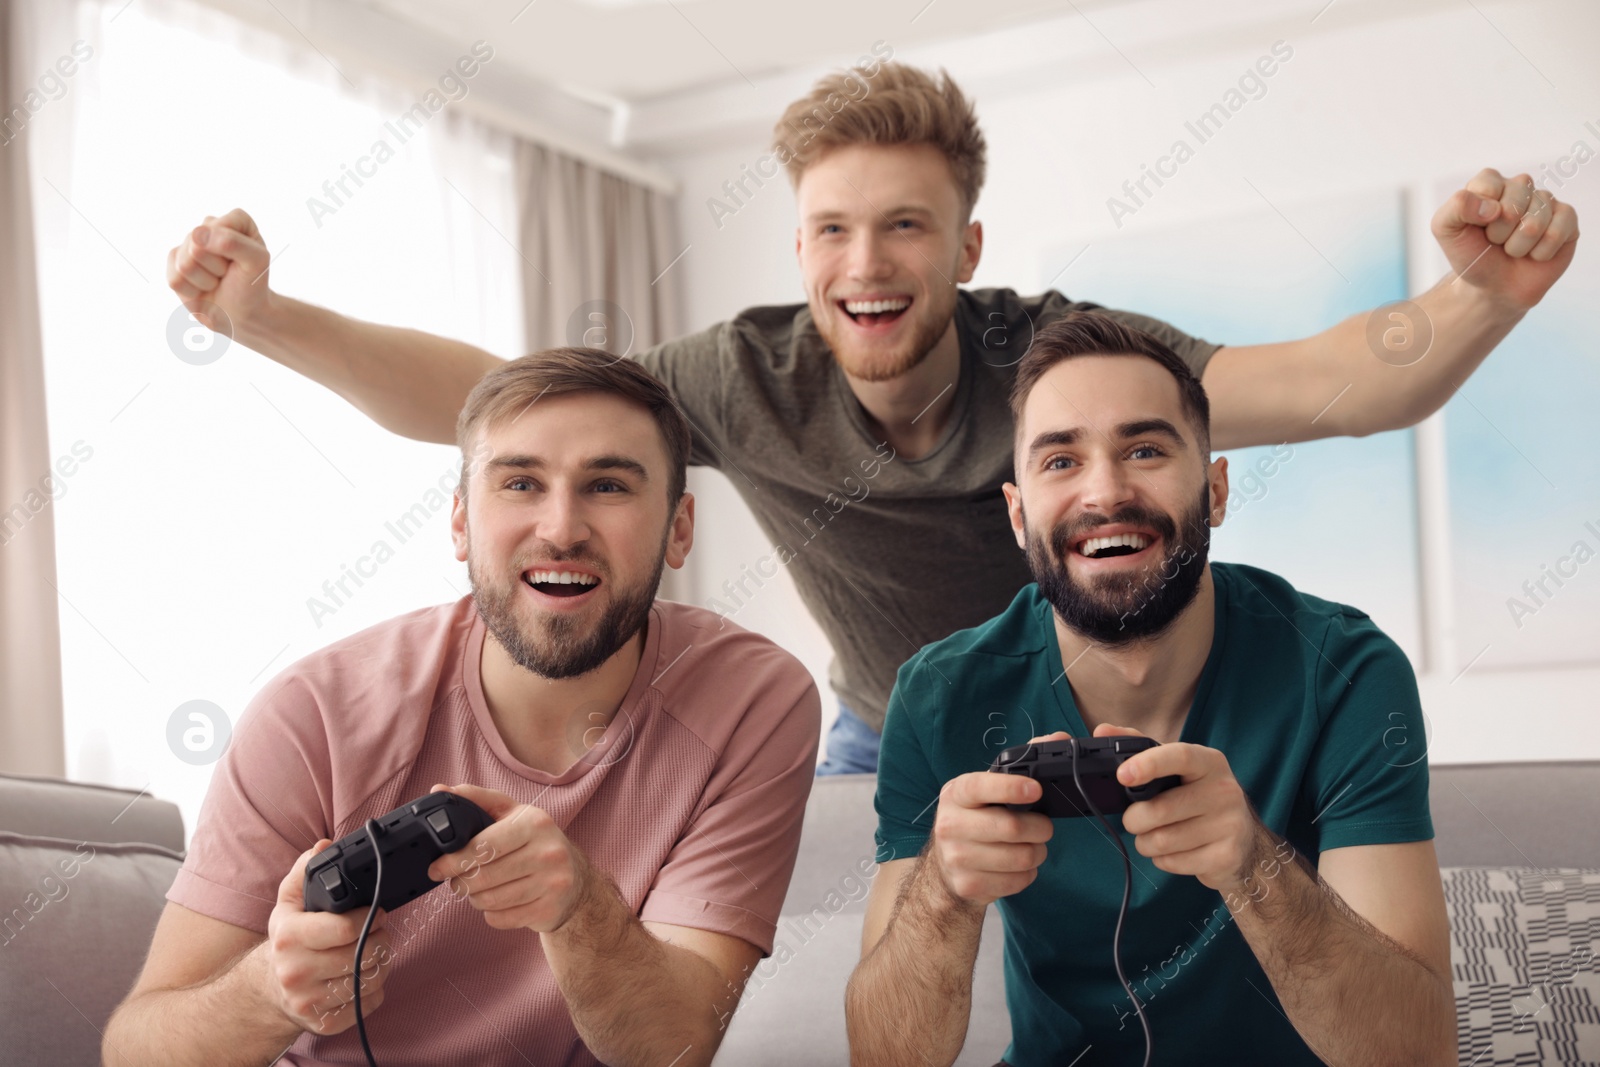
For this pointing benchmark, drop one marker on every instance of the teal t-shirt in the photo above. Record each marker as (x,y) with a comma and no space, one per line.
(1318,714)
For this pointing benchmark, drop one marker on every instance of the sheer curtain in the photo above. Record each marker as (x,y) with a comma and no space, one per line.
(30,683)
(225,516)
(598,251)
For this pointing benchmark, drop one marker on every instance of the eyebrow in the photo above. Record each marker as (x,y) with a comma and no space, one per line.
(598,463)
(1146,427)
(1053,438)
(1136,428)
(903,209)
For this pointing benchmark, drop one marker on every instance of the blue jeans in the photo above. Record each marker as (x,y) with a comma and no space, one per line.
(852,745)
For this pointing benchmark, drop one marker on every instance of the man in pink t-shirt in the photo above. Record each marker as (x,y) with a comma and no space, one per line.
(646,765)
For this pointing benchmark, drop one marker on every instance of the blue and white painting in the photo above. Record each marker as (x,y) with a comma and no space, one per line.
(1524,482)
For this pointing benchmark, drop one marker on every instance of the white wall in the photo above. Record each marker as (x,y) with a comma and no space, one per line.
(1391,96)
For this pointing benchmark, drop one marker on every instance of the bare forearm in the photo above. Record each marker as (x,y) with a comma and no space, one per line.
(1379,370)
(223,1023)
(1355,996)
(1400,383)
(910,998)
(626,988)
(409,382)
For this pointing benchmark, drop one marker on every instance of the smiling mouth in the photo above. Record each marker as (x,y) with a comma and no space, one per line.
(1126,544)
(561,583)
(875,312)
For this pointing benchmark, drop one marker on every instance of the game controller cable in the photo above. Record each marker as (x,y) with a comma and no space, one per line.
(402,844)
(1122,913)
(366,927)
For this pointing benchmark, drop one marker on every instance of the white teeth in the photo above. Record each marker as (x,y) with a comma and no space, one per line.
(870,307)
(562,578)
(1095,545)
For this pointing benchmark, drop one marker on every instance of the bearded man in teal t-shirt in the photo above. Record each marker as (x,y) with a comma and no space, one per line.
(1285,904)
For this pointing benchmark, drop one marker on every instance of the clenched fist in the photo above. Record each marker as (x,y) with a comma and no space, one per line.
(1506,238)
(220,273)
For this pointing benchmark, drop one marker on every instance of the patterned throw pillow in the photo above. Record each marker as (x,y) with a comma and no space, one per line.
(1525,959)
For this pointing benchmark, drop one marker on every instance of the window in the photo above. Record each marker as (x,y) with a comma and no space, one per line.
(224,519)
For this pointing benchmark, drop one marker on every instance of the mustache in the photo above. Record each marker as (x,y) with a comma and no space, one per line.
(571,555)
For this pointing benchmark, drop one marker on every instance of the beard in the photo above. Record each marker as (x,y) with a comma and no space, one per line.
(931,318)
(1119,609)
(559,646)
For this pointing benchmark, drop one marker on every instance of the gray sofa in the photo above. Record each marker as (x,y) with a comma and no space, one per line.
(83,870)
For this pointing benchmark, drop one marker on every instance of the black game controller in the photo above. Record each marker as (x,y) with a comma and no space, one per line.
(1050,764)
(340,878)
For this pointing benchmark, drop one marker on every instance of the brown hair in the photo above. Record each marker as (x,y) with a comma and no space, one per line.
(888,103)
(1093,333)
(513,388)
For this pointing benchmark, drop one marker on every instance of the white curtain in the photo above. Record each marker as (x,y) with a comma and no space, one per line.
(209,539)
(31,739)
(596,251)
(212,507)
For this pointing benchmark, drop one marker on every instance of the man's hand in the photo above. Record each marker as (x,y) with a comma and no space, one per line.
(520,872)
(981,851)
(1506,238)
(910,998)
(220,273)
(1204,826)
(310,957)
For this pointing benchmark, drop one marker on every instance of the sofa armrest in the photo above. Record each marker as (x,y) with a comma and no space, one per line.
(78,811)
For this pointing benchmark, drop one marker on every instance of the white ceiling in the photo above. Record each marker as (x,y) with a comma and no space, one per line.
(624,84)
(641,49)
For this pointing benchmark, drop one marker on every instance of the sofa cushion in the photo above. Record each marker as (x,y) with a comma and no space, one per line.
(1525,960)
(1515,814)
(792,1011)
(75,924)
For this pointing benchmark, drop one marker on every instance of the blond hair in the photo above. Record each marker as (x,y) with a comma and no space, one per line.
(884,103)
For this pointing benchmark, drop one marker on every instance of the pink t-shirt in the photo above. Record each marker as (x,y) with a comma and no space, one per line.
(691,801)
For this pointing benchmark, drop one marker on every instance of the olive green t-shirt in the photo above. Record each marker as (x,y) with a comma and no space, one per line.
(888,553)
(1316,710)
